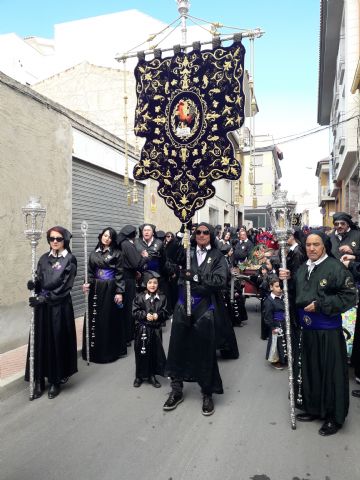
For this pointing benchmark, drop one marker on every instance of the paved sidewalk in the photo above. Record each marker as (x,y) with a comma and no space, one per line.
(12,363)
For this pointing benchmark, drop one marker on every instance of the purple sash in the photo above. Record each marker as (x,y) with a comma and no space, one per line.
(318,321)
(279,316)
(154,265)
(195,300)
(104,274)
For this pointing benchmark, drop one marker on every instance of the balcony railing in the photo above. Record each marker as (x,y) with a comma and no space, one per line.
(324,193)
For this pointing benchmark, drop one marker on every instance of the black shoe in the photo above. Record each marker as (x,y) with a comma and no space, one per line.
(54,390)
(128,344)
(208,405)
(137,382)
(173,401)
(154,382)
(38,390)
(355,393)
(64,380)
(329,428)
(306,417)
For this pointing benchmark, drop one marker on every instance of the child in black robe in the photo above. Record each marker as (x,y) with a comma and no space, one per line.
(149,312)
(274,317)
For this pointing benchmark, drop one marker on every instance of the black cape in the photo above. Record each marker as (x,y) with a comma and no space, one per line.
(150,357)
(193,344)
(55,334)
(106,320)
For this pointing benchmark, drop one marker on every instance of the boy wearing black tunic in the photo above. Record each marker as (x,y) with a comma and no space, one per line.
(149,312)
(274,318)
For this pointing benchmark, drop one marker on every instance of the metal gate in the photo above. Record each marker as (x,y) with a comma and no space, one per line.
(99,197)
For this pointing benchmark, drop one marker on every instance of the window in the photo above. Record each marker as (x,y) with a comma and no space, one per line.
(213,216)
(258,160)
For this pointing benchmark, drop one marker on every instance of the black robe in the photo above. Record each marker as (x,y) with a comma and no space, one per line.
(106,319)
(294,259)
(55,334)
(133,262)
(323,370)
(155,260)
(236,306)
(193,342)
(350,238)
(242,250)
(150,357)
(354,268)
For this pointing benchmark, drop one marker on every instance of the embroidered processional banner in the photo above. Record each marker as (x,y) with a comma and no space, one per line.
(186,105)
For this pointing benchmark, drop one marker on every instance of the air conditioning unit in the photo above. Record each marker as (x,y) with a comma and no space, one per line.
(341,72)
(341,144)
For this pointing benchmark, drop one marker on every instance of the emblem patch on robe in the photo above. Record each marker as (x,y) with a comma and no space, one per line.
(323,282)
(186,106)
(307,320)
(353,244)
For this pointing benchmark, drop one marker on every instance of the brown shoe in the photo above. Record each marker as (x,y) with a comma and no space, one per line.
(278,366)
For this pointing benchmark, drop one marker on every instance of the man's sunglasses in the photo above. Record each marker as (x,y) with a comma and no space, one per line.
(56,239)
(202,232)
(336,224)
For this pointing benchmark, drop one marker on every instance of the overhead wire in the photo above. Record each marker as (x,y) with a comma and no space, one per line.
(307,133)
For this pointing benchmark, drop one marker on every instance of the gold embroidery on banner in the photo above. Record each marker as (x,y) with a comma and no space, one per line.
(181,107)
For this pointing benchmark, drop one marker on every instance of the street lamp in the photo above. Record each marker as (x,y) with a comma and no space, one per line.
(281,212)
(34,215)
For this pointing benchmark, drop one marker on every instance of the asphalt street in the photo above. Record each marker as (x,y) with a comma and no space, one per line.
(102,428)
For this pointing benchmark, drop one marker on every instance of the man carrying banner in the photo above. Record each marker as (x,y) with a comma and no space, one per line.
(192,348)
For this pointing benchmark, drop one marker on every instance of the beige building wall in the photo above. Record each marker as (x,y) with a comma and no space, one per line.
(35,145)
(95,93)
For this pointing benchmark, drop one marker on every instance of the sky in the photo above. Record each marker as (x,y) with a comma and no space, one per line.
(285,72)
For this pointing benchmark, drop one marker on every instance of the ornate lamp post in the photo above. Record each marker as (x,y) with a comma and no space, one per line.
(280,212)
(34,215)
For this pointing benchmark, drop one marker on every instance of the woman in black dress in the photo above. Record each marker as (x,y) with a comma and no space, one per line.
(106,286)
(55,336)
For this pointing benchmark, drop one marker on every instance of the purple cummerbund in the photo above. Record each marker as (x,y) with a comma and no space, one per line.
(279,316)
(104,274)
(154,265)
(195,300)
(318,321)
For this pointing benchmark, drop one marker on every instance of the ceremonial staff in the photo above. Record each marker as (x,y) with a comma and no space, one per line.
(281,211)
(34,215)
(84,229)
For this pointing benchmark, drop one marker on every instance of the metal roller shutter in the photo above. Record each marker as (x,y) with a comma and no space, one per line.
(100,198)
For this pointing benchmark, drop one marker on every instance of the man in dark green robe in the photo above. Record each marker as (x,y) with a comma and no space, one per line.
(324,290)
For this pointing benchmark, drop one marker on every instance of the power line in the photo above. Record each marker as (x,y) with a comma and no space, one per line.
(293,137)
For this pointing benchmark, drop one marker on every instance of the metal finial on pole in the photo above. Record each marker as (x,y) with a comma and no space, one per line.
(34,215)
(183,9)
